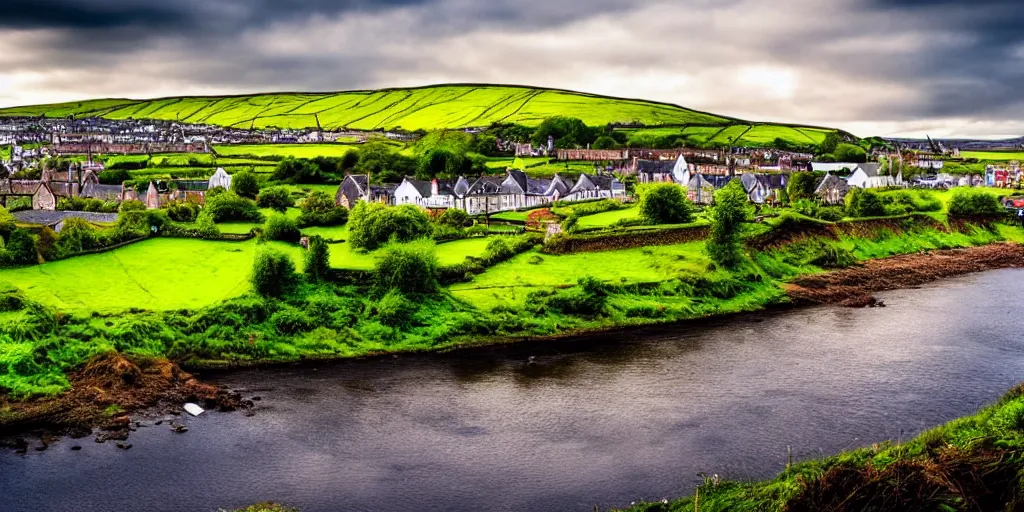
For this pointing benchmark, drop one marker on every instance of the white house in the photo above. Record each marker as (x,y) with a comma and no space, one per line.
(866,176)
(220,179)
(831,167)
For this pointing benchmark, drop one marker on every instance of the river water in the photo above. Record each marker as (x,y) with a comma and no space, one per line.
(560,426)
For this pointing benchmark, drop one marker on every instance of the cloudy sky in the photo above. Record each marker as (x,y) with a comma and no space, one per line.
(874,67)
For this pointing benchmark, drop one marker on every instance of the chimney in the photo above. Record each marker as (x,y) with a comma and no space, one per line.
(435,190)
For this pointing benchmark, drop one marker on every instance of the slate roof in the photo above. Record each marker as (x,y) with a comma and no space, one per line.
(49,218)
(104,192)
(486,185)
(655,166)
(423,187)
(19,187)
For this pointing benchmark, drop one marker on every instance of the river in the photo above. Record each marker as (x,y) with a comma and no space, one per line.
(603,421)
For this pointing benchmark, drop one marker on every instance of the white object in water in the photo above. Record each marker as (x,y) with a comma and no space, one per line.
(193,409)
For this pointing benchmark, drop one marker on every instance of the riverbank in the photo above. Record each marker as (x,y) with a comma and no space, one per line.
(969,464)
(328,322)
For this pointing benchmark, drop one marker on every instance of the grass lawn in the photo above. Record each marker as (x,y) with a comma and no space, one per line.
(994,155)
(605,219)
(159,274)
(450,253)
(510,282)
(285,150)
(328,233)
(511,216)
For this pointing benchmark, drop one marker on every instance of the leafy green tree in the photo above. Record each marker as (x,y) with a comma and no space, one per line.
(442,163)
(133,205)
(568,132)
(245,184)
(319,209)
(605,142)
(205,225)
(485,144)
(968,203)
(727,215)
(273,272)
(384,165)
(850,153)
(801,186)
(275,198)
(293,170)
(317,261)
(229,206)
(373,224)
(829,144)
(665,203)
(454,217)
(407,268)
(22,248)
(864,203)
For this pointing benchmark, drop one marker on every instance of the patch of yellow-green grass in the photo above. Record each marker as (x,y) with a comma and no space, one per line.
(285,150)
(1009,233)
(994,155)
(328,232)
(158,274)
(605,219)
(450,253)
(533,270)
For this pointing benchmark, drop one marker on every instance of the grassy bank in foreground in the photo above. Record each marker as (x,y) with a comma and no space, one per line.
(970,464)
(40,342)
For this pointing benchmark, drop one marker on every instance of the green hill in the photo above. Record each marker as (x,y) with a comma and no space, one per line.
(428,108)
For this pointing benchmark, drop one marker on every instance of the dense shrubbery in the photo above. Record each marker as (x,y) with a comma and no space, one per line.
(245,184)
(864,203)
(183,211)
(587,298)
(273,272)
(318,209)
(81,204)
(801,186)
(566,209)
(454,217)
(902,202)
(969,203)
(665,203)
(317,260)
(275,198)
(373,224)
(818,211)
(229,206)
(407,268)
(115,176)
(280,227)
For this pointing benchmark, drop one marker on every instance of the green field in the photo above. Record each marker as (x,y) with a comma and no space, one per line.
(285,150)
(994,155)
(427,108)
(154,274)
(605,219)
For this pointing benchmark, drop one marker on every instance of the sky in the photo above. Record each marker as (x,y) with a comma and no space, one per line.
(872,67)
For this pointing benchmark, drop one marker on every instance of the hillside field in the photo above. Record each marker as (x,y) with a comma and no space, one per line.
(994,155)
(426,108)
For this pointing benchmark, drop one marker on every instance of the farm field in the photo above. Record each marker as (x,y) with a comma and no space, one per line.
(994,155)
(512,281)
(157,274)
(285,150)
(605,219)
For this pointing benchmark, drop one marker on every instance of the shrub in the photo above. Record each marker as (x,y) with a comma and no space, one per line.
(827,255)
(588,297)
(455,218)
(801,186)
(394,309)
(280,227)
(317,262)
(864,203)
(318,209)
(229,206)
(76,235)
(273,272)
(245,184)
(497,250)
(727,215)
(275,198)
(82,204)
(132,205)
(967,203)
(116,176)
(182,211)
(665,203)
(408,268)
(291,321)
(850,153)
(21,248)
(373,224)
(205,225)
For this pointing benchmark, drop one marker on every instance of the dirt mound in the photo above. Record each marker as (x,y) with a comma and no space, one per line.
(105,390)
(853,286)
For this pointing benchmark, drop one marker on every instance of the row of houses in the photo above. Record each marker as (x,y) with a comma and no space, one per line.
(484,195)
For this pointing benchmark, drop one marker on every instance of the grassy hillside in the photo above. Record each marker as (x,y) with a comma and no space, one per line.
(434,107)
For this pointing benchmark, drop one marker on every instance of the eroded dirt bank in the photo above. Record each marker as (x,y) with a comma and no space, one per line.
(103,394)
(853,286)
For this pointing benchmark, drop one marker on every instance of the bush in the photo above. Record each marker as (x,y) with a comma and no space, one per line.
(291,321)
(76,235)
(280,227)
(229,206)
(275,198)
(374,224)
(864,203)
(81,204)
(21,248)
(408,268)
(850,153)
(665,203)
(245,184)
(968,203)
(393,309)
(182,211)
(801,186)
(727,215)
(115,176)
(587,298)
(205,225)
(317,262)
(497,250)
(132,205)
(455,218)
(318,209)
(273,272)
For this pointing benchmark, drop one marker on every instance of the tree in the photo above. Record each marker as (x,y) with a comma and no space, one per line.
(442,163)
(407,268)
(379,159)
(454,217)
(801,186)
(293,170)
(317,261)
(568,132)
(275,198)
(829,144)
(727,215)
(851,153)
(485,144)
(606,142)
(245,184)
(665,203)
(373,224)
(273,272)
(864,203)
(229,206)
(319,209)
(967,203)
(21,248)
